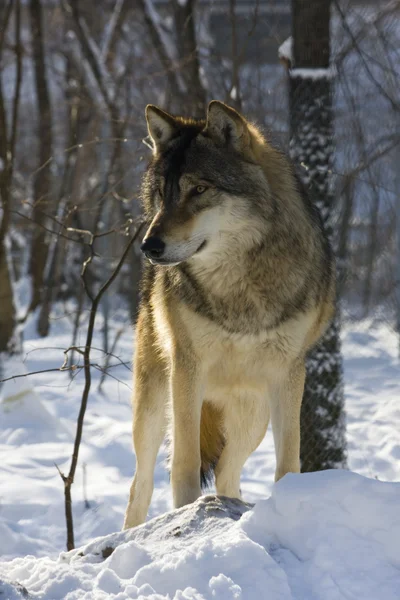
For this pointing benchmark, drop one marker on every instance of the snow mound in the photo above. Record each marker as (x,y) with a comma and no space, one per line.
(322,536)
(10,590)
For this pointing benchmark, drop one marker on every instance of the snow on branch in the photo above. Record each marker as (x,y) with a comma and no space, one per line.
(310,73)
(285,50)
(285,53)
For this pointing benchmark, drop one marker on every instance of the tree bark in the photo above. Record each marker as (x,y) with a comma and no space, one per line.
(189,57)
(323,443)
(7,312)
(8,341)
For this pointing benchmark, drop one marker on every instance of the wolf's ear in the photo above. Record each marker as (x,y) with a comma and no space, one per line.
(226,126)
(162,127)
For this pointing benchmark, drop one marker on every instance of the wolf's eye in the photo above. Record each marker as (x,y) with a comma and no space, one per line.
(200,189)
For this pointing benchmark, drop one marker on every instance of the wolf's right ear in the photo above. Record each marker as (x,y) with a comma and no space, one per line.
(161,126)
(226,126)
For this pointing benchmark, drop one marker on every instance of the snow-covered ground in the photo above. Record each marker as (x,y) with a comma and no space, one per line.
(332,535)
(321,536)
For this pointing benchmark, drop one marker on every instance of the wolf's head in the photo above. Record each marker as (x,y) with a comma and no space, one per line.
(204,189)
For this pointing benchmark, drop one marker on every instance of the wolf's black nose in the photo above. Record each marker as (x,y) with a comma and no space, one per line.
(153,247)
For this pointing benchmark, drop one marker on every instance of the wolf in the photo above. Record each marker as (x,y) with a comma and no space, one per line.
(238,286)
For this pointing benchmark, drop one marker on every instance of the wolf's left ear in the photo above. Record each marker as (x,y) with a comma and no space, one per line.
(226,126)
(162,127)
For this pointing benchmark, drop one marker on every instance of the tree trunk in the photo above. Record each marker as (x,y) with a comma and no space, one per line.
(235,96)
(7,312)
(8,334)
(323,442)
(184,12)
(42,182)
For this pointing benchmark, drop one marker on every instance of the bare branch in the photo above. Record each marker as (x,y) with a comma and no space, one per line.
(109,354)
(105,372)
(161,46)
(378,85)
(58,233)
(92,54)
(59,369)
(111,28)
(95,300)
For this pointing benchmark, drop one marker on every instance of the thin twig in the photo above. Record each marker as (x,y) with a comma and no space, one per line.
(378,85)
(62,368)
(102,370)
(57,233)
(95,301)
(108,355)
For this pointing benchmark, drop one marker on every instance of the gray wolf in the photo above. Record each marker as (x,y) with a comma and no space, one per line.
(240,283)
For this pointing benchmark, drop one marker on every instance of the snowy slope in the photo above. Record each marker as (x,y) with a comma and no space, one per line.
(321,536)
(31,441)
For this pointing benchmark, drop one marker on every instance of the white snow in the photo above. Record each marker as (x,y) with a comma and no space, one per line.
(311,73)
(326,536)
(233,93)
(320,536)
(285,50)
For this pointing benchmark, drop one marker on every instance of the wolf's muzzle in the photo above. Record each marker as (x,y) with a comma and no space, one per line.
(153,247)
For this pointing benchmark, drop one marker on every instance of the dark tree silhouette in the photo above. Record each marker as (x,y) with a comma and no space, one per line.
(323,443)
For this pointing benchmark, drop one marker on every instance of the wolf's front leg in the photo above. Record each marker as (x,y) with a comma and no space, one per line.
(149,416)
(148,433)
(187,397)
(286,394)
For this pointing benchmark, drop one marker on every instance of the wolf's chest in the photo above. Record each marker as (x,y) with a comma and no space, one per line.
(238,308)
(244,350)
(244,368)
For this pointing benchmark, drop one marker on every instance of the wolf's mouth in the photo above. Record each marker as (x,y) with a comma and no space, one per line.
(163,262)
(202,245)
(170,263)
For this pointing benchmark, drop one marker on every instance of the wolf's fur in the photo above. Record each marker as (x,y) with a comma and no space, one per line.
(245,288)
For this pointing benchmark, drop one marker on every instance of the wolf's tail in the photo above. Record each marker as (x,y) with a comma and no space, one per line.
(211,441)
